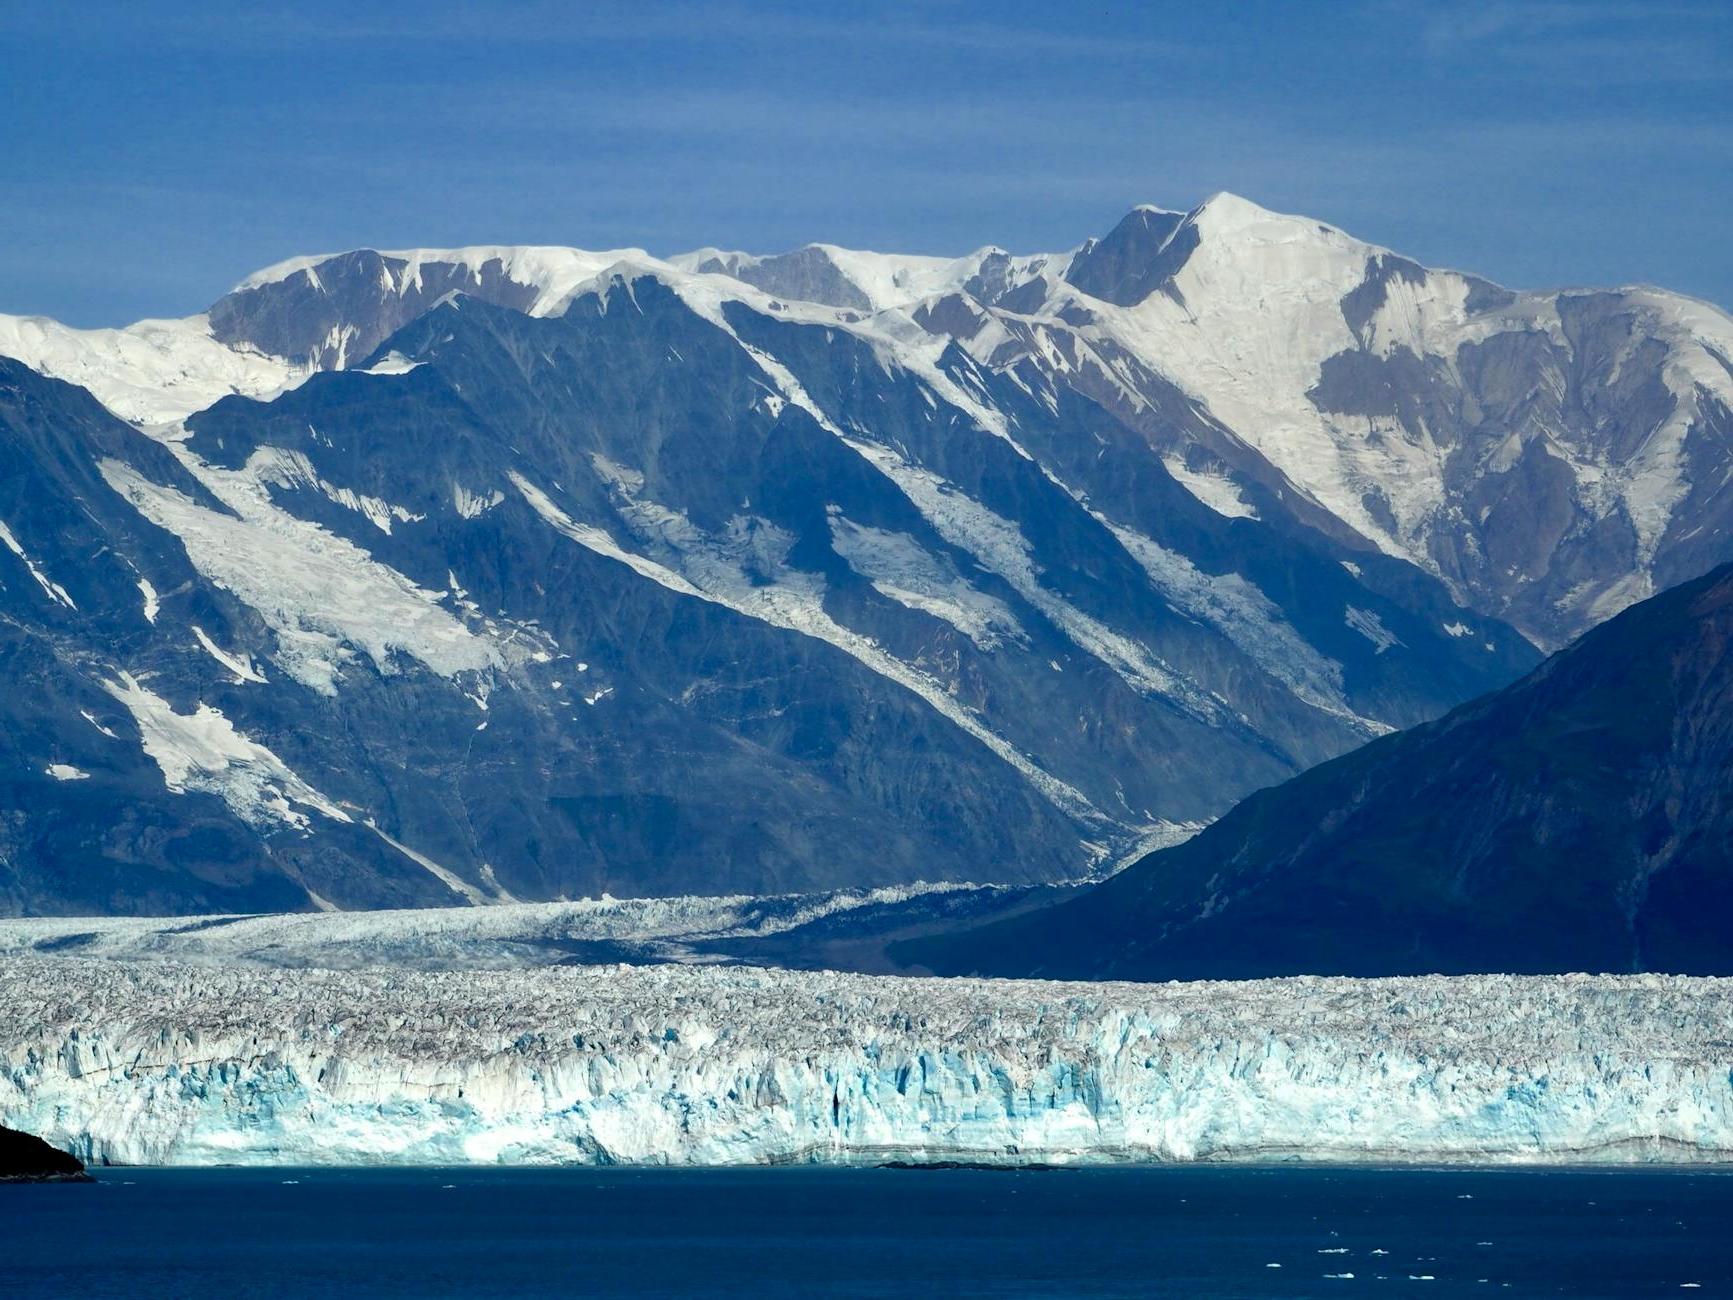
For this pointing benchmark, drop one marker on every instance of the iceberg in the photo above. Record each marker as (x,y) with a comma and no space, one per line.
(164,1062)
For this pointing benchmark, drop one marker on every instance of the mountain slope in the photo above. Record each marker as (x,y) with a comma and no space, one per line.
(124,784)
(1581,819)
(1552,456)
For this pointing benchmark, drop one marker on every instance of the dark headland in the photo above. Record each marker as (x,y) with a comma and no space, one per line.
(28,1159)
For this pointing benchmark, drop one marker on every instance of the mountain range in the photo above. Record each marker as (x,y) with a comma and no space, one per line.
(462,576)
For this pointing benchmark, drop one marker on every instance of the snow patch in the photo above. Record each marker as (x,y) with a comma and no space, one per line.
(279,467)
(240,665)
(1248,618)
(392,363)
(55,591)
(153,372)
(201,751)
(1370,626)
(901,569)
(1217,491)
(450,879)
(552,270)
(473,505)
(152,606)
(324,597)
(1000,547)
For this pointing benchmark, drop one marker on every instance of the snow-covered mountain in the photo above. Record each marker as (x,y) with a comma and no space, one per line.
(1552,456)
(167,1064)
(531,572)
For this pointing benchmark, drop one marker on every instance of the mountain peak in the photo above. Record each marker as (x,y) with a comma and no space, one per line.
(1224,214)
(1226,201)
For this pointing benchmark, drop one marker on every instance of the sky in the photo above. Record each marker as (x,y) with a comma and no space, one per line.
(155,154)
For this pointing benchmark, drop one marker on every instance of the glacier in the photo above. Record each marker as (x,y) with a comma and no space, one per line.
(161,1062)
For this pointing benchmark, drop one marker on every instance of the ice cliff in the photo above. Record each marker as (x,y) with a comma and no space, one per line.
(175,1064)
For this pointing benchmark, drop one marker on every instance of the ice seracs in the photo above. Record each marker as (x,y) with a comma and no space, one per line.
(167,1064)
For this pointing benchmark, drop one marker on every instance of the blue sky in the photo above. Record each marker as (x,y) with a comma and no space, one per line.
(155,154)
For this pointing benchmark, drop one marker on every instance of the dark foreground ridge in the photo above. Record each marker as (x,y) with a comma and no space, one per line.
(1579,820)
(28,1159)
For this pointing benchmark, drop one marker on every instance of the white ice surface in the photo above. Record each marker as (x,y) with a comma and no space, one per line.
(157,1063)
(327,600)
(508,935)
(202,751)
(151,372)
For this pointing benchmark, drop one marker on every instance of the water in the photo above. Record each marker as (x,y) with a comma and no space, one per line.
(1192,1232)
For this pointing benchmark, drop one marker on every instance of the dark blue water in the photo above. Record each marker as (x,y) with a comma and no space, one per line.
(811,1232)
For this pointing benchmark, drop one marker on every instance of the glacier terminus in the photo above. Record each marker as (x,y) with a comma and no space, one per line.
(160,1062)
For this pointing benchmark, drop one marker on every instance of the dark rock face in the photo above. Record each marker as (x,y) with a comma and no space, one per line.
(1521,414)
(807,274)
(1138,257)
(337,313)
(88,824)
(25,1158)
(1580,820)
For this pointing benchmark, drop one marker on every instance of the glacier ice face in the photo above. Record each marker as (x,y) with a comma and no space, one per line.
(174,1064)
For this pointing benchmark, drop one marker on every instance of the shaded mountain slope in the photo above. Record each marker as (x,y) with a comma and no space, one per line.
(1581,819)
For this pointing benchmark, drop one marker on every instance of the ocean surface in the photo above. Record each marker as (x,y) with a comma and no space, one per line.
(1175,1231)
